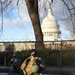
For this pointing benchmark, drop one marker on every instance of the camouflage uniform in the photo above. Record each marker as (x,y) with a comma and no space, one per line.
(28,63)
(15,64)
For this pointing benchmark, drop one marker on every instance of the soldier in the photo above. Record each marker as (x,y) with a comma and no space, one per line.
(15,64)
(33,65)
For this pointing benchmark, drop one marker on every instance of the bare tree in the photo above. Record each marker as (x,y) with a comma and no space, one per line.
(70,7)
(68,13)
(32,6)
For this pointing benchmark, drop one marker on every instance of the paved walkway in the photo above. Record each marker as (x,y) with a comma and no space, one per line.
(7,74)
(60,70)
(3,73)
(48,71)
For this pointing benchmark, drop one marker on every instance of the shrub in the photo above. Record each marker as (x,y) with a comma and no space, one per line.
(50,57)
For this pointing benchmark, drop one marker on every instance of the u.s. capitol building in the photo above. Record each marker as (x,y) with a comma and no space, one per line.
(51,36)
(50,28)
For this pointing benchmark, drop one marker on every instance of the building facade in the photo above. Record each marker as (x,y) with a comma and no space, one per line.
(50,28)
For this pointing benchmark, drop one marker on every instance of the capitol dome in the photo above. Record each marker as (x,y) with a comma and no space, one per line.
(50,27)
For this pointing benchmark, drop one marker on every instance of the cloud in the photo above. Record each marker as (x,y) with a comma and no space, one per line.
(15,22)
(19,15)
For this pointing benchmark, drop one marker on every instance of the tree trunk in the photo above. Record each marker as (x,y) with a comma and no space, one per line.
(32,6)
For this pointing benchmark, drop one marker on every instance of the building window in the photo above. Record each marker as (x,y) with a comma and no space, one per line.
(50,34)
(0,47)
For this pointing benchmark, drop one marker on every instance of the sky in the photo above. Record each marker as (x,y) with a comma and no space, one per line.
(17,25)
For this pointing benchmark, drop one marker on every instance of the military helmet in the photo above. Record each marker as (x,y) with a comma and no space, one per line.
(14,54)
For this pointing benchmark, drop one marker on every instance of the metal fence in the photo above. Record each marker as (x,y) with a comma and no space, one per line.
(65,55)
(27,45)
(60,45)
